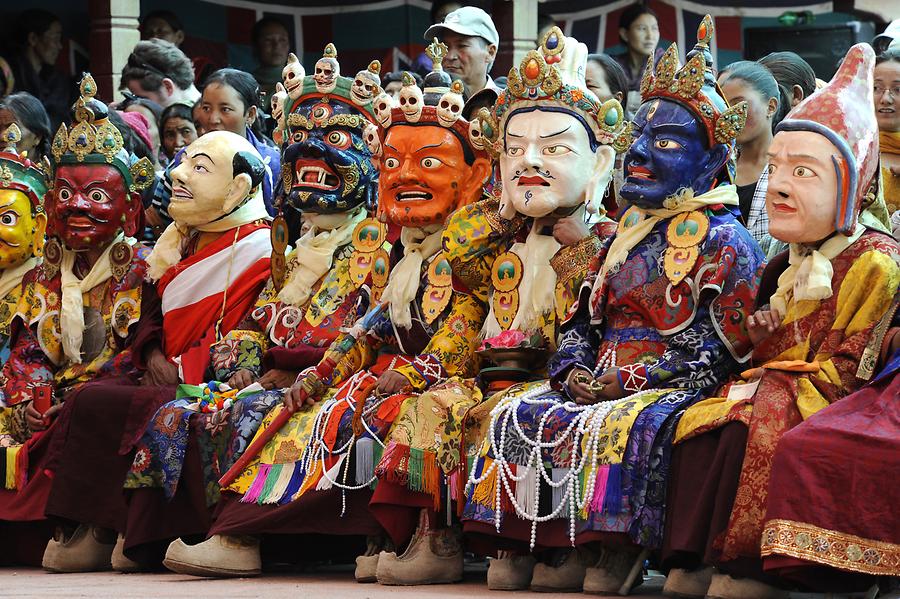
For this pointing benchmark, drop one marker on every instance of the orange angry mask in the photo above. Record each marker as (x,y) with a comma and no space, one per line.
(427,172)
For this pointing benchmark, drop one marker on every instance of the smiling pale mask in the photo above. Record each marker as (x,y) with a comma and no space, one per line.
(218,173)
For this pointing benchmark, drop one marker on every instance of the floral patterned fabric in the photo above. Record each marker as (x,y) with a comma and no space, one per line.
(829,338)
(671,345)
(223,438)
(424,354)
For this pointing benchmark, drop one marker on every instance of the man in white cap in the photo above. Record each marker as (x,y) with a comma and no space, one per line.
(472,41)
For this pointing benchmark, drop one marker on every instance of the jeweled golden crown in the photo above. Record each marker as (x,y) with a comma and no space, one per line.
(93,139)
(694,86)
(538,80)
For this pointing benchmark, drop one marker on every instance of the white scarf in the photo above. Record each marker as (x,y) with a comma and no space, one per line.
(315,252)
(419,244)
(626,239)
(71,318)
(12,277)
(171,245)
(537,289)
(809,275)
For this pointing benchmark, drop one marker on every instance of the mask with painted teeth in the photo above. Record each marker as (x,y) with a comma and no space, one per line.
(329,162)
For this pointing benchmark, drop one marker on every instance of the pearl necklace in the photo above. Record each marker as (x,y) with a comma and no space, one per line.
(316,450)
(586,426)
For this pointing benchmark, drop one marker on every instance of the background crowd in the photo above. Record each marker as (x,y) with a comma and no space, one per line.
(171,98)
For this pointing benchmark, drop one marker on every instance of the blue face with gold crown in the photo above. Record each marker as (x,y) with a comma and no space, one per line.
(683,132)
(669,153)
(326,165)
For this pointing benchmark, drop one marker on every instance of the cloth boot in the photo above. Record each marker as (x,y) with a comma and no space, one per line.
(567,576)
(367,563)
(724,586)
(510,572)
(688,584)
(609,573)
(88,549)
(432,557)
(220,556)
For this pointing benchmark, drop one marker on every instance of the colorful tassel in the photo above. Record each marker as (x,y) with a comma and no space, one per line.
(612,503)
(365,460)
(559,493)
(600,489)
(431,480)
(256,487)
(312,478)
(485,492)
(271,480)
(285,475)
(294,485)
(10,466)
(416,464)
(378,451)
(333,474)
(525,488)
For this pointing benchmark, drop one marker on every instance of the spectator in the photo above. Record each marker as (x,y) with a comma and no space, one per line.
(471,40)
(39,36)
(229,102)
(767,103)
(271,44)
(151,112)
(887,111)
(162,25)
(159,71)
(605,77)
(791,71)
(439,11)
(165,25)
(28,113)
(639,31)
(195,112)
(393,83)
(177,129)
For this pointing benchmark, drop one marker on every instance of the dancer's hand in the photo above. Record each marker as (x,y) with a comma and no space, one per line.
(242,378)
(578,383)
(160,371)
(391,382)
(37,421)
(612,388)
(277,379)
(761,324)
(570,230)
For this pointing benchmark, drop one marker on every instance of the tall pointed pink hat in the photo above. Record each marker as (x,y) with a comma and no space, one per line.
(844,112)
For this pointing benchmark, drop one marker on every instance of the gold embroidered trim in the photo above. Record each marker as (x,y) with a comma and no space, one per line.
(839,550)
(572,261)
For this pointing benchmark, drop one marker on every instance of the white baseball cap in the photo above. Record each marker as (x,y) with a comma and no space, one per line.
(470,21)
(883,40)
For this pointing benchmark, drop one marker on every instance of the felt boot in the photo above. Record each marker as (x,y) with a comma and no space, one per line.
(567,576)
(609,573)
(510,572)
(724,586)
(87,549)
(688,584)
(432,557)
(120,563)
(220,556)
(367,563)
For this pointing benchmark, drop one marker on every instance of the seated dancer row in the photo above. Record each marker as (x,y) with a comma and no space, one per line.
(340,401)
(94,338)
